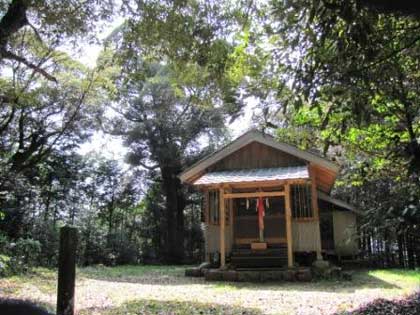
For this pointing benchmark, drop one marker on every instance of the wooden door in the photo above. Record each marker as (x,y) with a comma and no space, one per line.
(246,221)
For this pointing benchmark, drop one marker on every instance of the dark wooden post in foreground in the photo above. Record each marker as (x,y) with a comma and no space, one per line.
(66,271)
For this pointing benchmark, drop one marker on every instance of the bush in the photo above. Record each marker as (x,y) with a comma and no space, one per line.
(48,235)
(24,255)
(120,251)
(4,241)
(4,266)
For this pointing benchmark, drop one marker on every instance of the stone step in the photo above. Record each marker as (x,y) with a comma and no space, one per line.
(261,275)
(267,252)
(259,261)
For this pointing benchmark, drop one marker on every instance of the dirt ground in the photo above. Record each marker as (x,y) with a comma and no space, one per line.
(165,290)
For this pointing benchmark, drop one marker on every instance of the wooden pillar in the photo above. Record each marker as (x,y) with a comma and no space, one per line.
(315,209)
(66,270)
(288,225)
(222,227)
(206,214)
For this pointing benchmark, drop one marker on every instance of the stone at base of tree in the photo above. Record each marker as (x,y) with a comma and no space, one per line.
(193,272)
(214,275)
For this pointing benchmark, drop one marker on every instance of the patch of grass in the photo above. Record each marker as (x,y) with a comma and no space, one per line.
(405,279)
(129,271)
(43,279)
(149,307)
(225,286)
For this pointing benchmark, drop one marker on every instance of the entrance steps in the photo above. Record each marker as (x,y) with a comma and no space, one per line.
(243,256)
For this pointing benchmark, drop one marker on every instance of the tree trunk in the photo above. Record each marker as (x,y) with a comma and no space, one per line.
(401,250)
(110,220)
(175,203)
(387,241)
(410,251)
(369,244)
(416,241)
(12,21)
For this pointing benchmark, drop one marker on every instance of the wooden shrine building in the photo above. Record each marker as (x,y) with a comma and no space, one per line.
(268,203)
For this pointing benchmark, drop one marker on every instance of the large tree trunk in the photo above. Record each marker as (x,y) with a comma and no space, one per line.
(401,250)
(175,203)
(410,250)
(387,249)
(12,21)
(416,241)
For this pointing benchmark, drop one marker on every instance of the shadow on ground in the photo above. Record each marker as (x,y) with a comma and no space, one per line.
(406,306)
(9,306)
(164,275)
(149,307)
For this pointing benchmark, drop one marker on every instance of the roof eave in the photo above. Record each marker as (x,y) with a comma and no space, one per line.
(337,202)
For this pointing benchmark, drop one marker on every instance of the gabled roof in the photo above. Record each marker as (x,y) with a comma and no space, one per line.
(247,138)
(254,175)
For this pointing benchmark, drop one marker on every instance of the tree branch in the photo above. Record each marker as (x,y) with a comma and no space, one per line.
(11,56)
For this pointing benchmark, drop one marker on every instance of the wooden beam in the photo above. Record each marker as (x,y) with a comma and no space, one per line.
(222,227)
(262,184)
(314,193)
(255,194)
(304,219)
(288,226)
(271,240)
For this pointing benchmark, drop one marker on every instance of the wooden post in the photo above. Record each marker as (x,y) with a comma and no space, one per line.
(206,213)
(66,270)
(315,209)
(289,236)
(222,227)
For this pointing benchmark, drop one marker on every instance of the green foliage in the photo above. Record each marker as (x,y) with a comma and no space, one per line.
(357,72)
(4,266)
(19,256)
(24,254)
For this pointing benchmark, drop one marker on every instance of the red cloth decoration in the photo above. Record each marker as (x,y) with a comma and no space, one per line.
(261,213)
